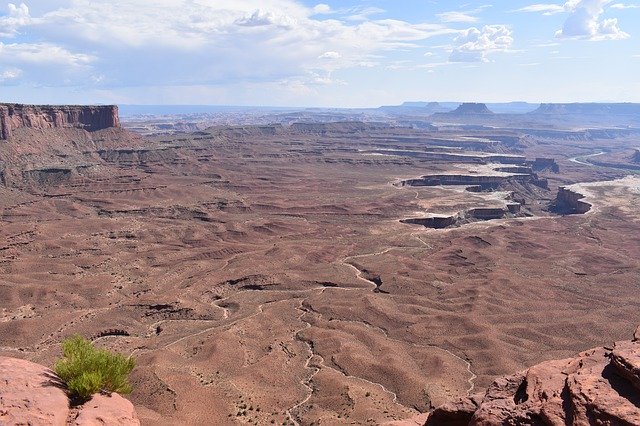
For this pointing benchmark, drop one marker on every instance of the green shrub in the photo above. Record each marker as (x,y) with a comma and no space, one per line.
(87,370)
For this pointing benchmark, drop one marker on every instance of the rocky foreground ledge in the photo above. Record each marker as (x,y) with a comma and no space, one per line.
(598,387)
(31,394)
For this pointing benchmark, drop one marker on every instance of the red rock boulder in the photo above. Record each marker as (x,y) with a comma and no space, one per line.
(31,394)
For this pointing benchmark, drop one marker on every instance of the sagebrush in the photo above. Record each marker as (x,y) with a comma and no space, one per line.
(87,370)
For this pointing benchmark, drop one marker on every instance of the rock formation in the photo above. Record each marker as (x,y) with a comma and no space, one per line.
(570,202)
(91,118)
(589,108)
(599,386)
(540,164)
(471,108)
(636,156)
(486,182)
(32,394)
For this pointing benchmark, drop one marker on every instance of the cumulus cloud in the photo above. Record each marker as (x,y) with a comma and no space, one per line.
(584,22)
(321,9)
(474,45)
(16,17)
(260,18)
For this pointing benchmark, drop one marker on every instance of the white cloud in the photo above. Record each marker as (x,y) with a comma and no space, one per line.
(330,55)
(545,8)
(42,54)
(118,43)
(584,22)
(17,17)
(473,45)
(321,9)
(44,64)
(457,17)
(363,13)
(624,6)
(10,76)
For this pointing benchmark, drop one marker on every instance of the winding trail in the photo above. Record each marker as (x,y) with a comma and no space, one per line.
(348,262)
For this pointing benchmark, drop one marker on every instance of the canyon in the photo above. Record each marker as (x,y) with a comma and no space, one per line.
(338,272)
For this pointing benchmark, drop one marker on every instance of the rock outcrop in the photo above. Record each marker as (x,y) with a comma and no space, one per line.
(106,410)
(599,386)
(31,394)
(91,118)
(471,108)
(570,202)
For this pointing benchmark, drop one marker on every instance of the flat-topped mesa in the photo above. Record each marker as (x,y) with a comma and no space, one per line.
(589,108)
(90,118)
(471,108)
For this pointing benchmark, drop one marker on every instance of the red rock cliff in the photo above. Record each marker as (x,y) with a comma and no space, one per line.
(570,202)
(597,387)
(91,118)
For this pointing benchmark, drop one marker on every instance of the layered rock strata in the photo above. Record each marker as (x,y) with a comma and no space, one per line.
(91,118)
(570,202)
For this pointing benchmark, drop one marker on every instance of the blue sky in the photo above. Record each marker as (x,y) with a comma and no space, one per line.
(318,53)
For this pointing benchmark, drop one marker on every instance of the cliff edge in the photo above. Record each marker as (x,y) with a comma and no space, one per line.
(91,118)
(599,386)
(32,394)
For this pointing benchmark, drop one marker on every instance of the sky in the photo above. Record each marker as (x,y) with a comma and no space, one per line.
(350,53)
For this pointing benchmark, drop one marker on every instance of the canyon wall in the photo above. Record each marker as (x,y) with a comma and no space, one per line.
(569,202)
(483,181)
(91,118)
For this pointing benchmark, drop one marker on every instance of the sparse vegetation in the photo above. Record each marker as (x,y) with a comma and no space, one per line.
(87,370)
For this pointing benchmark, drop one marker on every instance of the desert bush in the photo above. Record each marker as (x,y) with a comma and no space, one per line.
(87,370)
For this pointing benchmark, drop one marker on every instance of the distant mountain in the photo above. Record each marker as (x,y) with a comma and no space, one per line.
(471,108)
(589,109)
(420,104)
(426,108)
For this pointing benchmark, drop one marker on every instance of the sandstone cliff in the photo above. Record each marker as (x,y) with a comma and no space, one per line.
(570,202)
(91,118)
(32,394)
(599,386)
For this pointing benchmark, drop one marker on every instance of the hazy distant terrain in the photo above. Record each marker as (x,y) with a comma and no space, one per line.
(514,115)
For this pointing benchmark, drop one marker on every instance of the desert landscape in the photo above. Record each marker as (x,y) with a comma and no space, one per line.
(331,271)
